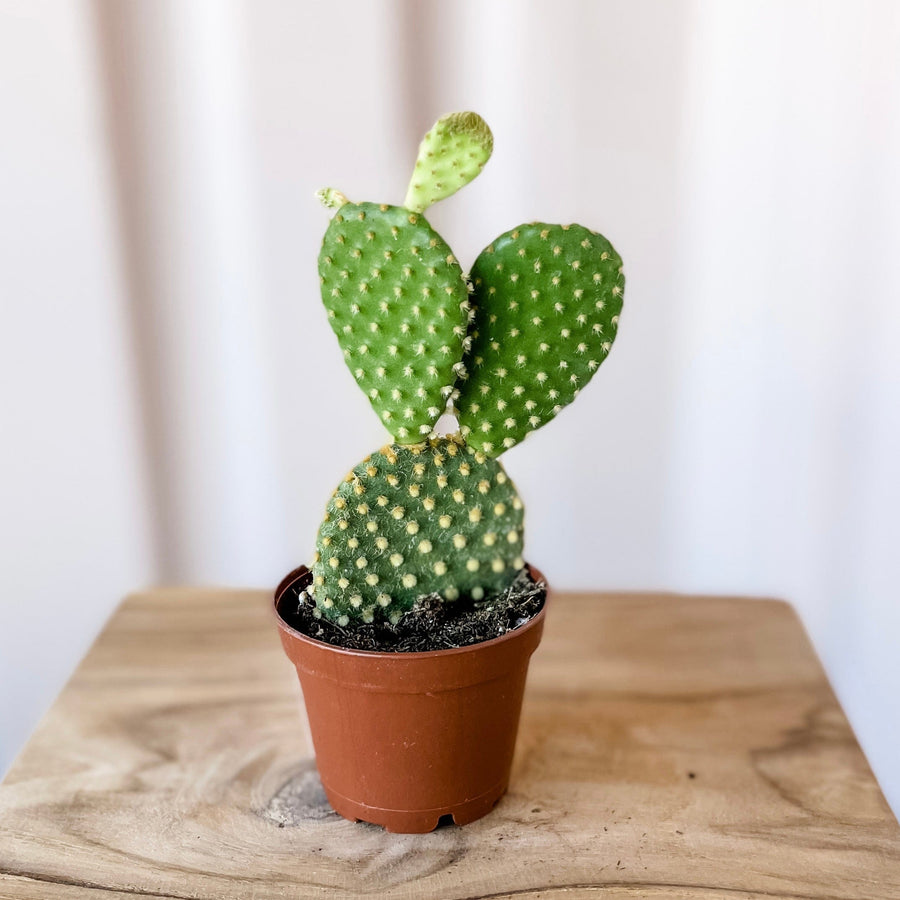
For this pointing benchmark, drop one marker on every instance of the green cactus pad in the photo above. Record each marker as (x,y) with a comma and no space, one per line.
(450,156)
(398,302)
(547,300)
(436,517)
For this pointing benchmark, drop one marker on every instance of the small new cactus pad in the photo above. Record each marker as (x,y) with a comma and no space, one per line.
(450,156)
(436,517)
(398,302)
(547,300)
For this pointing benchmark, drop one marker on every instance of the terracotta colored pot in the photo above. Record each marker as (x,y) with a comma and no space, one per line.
(402,739)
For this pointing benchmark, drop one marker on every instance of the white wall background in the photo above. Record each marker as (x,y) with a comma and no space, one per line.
(174,410)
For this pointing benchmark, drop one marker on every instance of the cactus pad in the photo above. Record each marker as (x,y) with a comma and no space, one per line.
(450,156)
(436,517)
(398,302)
(547,300)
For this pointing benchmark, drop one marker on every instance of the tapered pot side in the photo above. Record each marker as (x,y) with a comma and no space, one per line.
(402,739)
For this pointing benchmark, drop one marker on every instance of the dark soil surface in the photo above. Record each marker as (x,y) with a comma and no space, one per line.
(432,624)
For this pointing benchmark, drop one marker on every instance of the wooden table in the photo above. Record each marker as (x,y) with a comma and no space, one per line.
(670,747)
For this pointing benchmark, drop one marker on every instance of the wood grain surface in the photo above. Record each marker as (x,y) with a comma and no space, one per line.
(670,747)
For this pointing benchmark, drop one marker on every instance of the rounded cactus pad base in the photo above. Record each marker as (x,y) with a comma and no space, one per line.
(436,517)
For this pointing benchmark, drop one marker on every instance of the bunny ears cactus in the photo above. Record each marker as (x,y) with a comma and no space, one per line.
(505,348)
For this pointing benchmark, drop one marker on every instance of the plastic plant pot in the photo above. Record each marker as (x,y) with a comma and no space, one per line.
(404,739)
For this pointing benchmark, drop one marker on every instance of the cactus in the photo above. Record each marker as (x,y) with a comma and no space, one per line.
(398,302)
(508,348)
(436,517)
(547,300)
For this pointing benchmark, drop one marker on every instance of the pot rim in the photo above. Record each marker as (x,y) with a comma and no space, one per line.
(301,571)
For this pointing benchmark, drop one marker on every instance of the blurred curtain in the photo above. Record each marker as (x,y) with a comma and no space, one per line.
(743,157)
